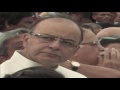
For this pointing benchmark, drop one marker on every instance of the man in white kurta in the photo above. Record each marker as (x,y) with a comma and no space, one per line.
(19,62)
(51,40)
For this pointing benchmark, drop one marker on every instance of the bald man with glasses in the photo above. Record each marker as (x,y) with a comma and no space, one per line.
(51,40)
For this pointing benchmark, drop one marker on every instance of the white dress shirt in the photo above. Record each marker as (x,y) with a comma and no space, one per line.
(19,62)
(1,33)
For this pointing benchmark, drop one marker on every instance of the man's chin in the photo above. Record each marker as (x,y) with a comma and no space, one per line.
(53,60)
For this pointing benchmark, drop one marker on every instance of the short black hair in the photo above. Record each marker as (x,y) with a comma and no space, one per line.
(35,72)
(13,17)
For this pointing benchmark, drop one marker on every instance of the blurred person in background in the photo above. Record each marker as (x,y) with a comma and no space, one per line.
(117,19)
(82,17)
(50,41)
(11,41)
(13,20)
(109,38)
(101,16)
(113,15)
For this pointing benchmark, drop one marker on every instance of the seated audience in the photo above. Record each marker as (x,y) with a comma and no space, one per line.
(12,20)
(82,17)
(50,41)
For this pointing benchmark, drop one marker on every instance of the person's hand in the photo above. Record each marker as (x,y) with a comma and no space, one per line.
(110,59)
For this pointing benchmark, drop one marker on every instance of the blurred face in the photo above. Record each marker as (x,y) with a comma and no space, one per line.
(14,44)
(112,16)
(53,41)
(102,16)
(25,22)
(89,50)
(77,17)
(117,19)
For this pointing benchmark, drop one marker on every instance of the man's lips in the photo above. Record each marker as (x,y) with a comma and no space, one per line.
(51,54)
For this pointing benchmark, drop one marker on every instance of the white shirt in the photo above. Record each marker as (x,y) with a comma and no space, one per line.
(19,62)
(1,33)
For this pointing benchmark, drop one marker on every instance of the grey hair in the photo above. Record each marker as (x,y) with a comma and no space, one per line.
(6,36)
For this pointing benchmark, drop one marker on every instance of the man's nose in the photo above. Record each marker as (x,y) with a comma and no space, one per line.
(55,45)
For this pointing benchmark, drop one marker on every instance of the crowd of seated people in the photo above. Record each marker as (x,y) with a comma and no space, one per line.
(59,45)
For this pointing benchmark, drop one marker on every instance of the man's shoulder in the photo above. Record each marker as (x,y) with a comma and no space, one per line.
(8,67)
(6,63)
(69,73)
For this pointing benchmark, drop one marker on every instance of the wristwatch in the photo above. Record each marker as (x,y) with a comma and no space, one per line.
(75,65)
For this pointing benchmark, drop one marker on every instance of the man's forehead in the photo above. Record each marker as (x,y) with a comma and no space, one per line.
(56,19)
(59,28)
(61,23)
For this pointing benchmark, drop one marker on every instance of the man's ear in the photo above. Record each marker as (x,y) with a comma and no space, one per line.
(2,59)
(25,39)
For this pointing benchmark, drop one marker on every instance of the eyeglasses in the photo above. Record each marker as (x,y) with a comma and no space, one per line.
(95,43)
(105,40)
(67,43)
